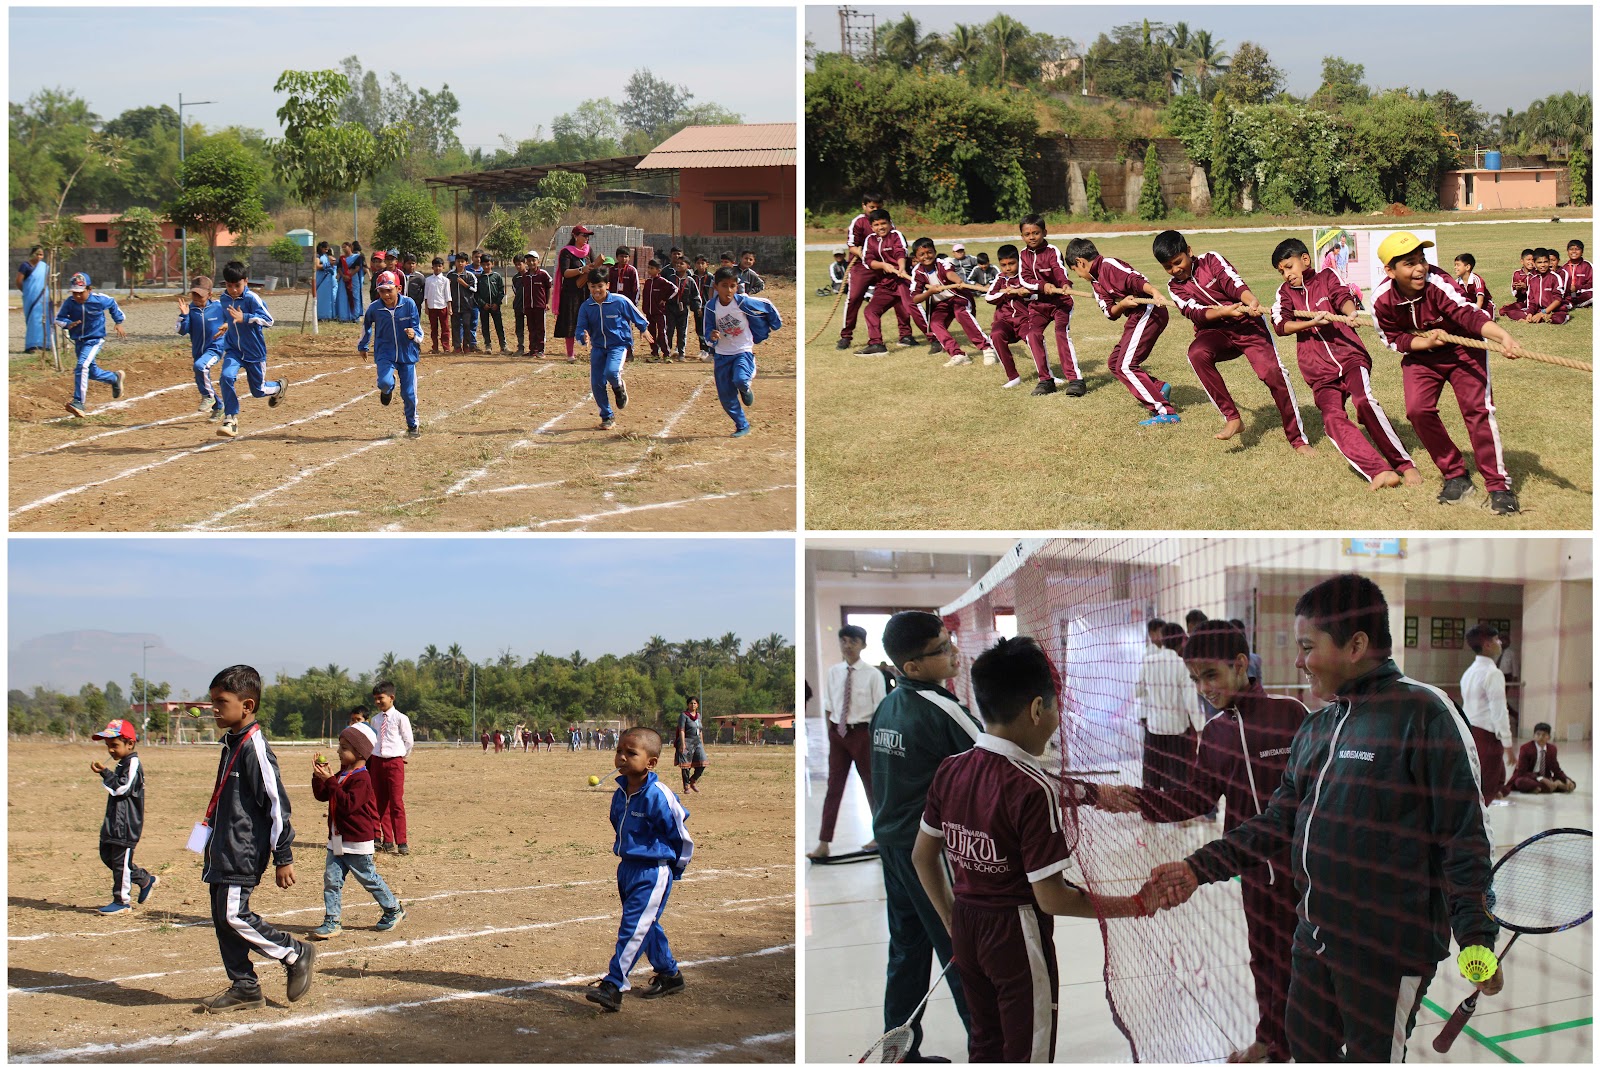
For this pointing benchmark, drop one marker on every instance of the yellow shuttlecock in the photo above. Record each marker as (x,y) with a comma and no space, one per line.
(1477,963)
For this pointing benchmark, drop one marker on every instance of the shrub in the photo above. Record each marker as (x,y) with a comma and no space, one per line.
(1151,206)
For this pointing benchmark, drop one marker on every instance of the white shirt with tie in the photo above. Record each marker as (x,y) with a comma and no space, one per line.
(866,693)
(393,728)
(1483,699)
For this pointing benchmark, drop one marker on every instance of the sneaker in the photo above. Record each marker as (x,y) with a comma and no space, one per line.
(384,846)
(216,413)
(116,386)
(1503,502)
(229,427)
(404,850)
(281,395)
(413,432)
(384,396)
(662,985)
(989,358)
(1455,490)
(74,408)
(1012,384)
(1045,387)
(329,929)
(235,998)
(842,343)
(934,347)
(960,359)
(620,392)
(144,894)
(741,433)
(1076,387)
(301,972)
(907,342)
(1166,391)
(391,917)
(746,397)
(1160,420)
(116,907)
(606,995)
(877,348)
(207,405)
(606,424)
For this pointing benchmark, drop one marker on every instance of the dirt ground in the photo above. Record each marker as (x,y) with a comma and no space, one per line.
(508,443)
(512,910)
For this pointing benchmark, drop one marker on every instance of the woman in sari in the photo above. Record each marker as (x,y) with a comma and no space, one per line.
(355,271)
(32,275)
(327,275)
(572,266)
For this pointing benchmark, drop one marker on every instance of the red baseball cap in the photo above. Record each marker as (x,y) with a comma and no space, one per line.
(118,728)
(581,228)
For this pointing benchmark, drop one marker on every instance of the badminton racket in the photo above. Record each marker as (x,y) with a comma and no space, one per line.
(893,1046)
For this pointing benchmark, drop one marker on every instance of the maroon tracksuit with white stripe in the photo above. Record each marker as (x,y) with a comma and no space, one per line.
(999,815)
(1543,290)
(1336,366)
(1111,280)
(1010,325)
(860,277)
(1441,306)
(889,290)
(653,297)
(1580,282)
(1038,266)
(1214,283)
(943,309)
(1472,287)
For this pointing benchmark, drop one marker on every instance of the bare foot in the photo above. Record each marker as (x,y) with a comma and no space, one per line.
(818,853)
(1386,480)
(1230,431)
(1412,476)
(1304,449)
(1256,1053)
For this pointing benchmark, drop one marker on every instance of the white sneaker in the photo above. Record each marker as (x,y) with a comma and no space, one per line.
(229,427)
(1012,384)
(206,404)
(1058,381)
(989,358)
(960,359)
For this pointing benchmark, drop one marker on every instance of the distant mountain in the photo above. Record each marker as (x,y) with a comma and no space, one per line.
(66,661)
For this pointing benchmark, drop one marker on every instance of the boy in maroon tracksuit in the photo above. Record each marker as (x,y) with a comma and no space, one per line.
(886,255)
(1045,275)
(1471,284)
(1546,296)
(1336,366)
(352,830)
(1116,286)
(1412,309)
(1538,770)
(859,277)
(534,289)
(1227,324)
(1010,325)
(1242,755)
(1580,276)
(653,298)
(938,289)
(625,282)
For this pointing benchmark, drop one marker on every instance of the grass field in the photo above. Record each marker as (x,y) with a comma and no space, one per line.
(508,442)
(900,442)
(510,891)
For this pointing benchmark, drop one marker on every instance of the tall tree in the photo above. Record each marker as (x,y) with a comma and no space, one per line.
(220,188)
(1252,79)
(651,105)
(1006,35)
(1208,60)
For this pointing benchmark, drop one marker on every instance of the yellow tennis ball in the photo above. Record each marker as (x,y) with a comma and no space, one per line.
(1477,963)
(594,779)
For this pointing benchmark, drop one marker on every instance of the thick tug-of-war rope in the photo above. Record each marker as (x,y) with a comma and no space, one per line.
(844,288)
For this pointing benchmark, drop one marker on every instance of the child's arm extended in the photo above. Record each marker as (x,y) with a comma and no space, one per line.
(1056,897)
(367,321)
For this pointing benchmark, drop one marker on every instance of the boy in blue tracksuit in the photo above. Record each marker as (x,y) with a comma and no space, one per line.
(247,318)
(392,326)
(611,318)
(84,316)
(655,849)
(204,323)
(732,326)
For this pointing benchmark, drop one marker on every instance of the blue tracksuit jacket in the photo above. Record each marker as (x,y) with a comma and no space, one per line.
(611,323)
(246,341)
(385,331)
(649,824)
(200,326)
(763,316)
(92,314)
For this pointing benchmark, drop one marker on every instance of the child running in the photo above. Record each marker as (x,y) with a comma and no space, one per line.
(1119,289)
(1335,364)
(1045,276)
(610,319)
(84,316)
(247,320)
(733,325)
(392,327)
(202,321)
(655,850)
(939,289)
(352,831)
(124,821)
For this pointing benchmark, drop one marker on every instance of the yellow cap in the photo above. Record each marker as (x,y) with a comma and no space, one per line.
(1399,244)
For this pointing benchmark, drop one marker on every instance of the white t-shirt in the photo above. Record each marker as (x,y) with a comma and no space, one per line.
(733,329)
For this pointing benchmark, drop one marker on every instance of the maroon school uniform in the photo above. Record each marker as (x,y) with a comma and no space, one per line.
(352,804)
(1472,287)
(1000,818)
(1533,765)
(944,309)
(1214,283)
(1037,267)
(1543,290)
(653,297)
(855,236)
(1110,280)
(1441,306)
(1335,364)
(889,290)
(533,289)
(1242,754)
(625,281)
(1580,282)
(1010,325)
(1519,285)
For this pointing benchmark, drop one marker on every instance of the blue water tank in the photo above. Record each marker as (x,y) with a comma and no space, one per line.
(1491,161)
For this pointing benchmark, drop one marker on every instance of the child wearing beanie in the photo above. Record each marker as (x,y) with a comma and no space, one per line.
(352,829)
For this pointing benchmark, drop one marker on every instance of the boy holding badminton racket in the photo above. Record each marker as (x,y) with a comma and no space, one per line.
(1390,849)
(995,817)
(1124,293)
(1336,366)
(1414,308)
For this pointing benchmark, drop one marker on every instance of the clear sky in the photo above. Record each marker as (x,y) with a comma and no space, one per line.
(306,600)
(513,68)
(1481,53)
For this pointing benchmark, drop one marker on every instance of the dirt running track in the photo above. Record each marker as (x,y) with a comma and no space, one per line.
(512,910)
(508,444)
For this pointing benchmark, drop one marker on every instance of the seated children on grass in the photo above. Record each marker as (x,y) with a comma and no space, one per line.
(1119,290)
(1010,297)
(1545,297)
(1414,309)
(1473,287)
(1519,280)
(838,271)
(1227,324)
(939,288)
(1580,276)
(1045,276)
(1335,364)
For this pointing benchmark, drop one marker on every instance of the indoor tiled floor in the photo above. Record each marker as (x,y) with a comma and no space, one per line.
(1543,1015)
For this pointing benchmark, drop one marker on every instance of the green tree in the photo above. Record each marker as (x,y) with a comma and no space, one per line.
(1578,179)
(1223,187)
(157,724)
(1252,79)
(285,252)
(963,46)
(407,220)
(220,188)
(1006,37)
(902,44)
(1206,60)
(559,192)
(1094,204)
(650,104)
(505,237)
(138,239)
(116,700)
(591,130)
(1151,206)
(1342,84)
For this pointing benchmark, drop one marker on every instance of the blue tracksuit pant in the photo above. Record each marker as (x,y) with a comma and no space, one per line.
(644,888)
(202,377)
(255,374)
(88,369)
(731,372)
(387,369)
(605,368)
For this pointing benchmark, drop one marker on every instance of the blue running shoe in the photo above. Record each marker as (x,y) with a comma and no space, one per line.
(1160,420)
(144,894)
(116,907)
(1166,391)
(740,433)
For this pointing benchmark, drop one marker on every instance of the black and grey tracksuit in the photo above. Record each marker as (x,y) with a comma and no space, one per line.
(123,825)
(249,830)
(1390,856)
(680,312)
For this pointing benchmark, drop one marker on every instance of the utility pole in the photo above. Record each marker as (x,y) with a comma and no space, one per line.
(144,678)
(181,105)
(858,34)
(474,700)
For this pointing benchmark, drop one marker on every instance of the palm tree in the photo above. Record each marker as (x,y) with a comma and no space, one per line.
(1005,35)
(456,657)
(963,47)
(1208,58)
(387,664)
(902,44)
(728,646)
(577,660)
(656,651)
(428,662)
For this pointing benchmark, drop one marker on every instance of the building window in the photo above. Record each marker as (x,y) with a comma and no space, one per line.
(101,236)
(1447,633)
(736,216)
(1501,626)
